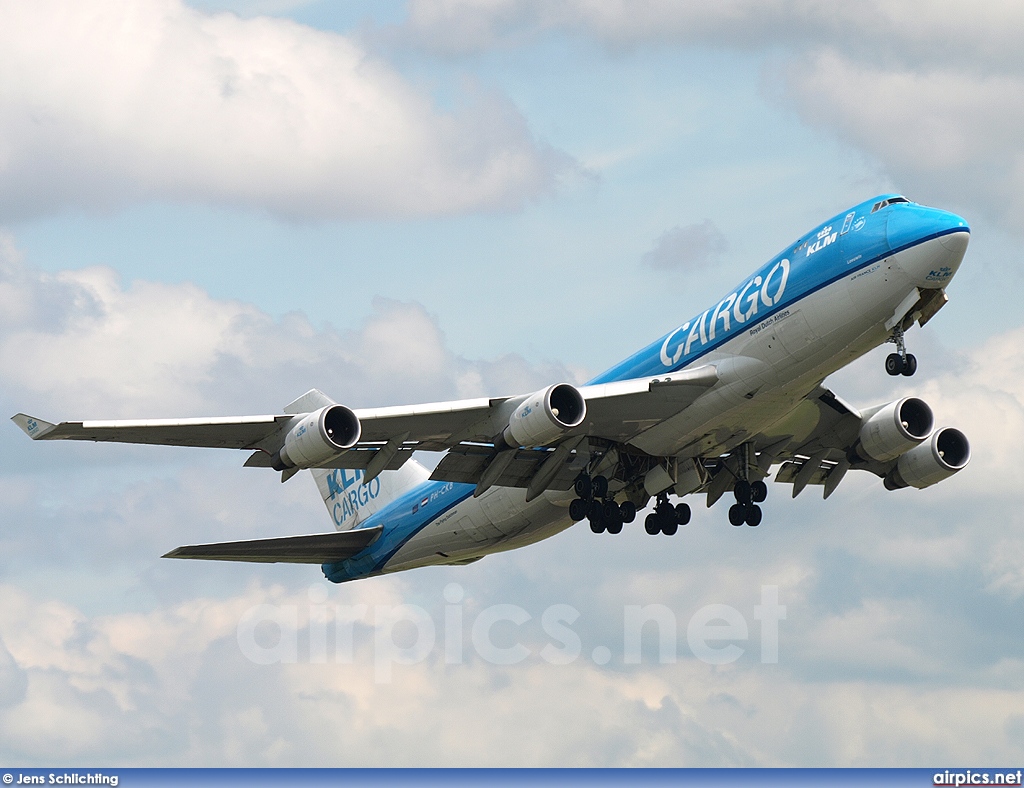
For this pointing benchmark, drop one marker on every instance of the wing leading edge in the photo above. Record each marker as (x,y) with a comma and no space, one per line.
(615,412)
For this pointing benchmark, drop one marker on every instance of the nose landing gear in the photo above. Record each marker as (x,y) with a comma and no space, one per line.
(901,362)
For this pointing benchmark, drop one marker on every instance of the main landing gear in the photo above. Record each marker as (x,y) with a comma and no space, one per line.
(901,362)
(748,496)
(595,505)
(605,514)
(666,518)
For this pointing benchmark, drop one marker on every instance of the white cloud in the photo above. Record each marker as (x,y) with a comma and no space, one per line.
(917,29)
(946,135)
(693,247)
(105,102)
(1005,569)
(874,581)
(173,686)
(930,90)
(13,681)
(80,344)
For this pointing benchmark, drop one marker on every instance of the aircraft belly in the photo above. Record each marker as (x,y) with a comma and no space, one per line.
(497,521)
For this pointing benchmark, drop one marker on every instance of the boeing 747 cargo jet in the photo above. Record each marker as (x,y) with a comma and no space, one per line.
(711,408)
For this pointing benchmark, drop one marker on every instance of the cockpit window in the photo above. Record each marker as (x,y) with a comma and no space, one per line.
(891,201)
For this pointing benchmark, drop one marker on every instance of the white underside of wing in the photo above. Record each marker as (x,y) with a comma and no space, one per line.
(235,432)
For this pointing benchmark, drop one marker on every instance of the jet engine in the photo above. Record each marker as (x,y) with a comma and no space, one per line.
(317,437)
(545,415)
(947,452)
(895,428)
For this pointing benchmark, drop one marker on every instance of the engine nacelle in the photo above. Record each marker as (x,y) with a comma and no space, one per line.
(895,428)
(947,452)
(545,415)
(317,437)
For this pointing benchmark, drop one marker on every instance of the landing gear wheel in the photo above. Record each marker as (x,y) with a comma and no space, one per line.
(753,516)
(669,527)
(737,514)
(742,491)
(758,491)
(597,526)
(583,488)
(910,365)
(894,364)
(682,513)
(628,511)
(599,486)
(651,524)
(578,509)
(612,517)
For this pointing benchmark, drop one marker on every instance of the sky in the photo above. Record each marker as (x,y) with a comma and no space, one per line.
(209,208)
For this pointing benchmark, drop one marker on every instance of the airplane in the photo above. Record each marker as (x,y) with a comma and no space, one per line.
(709,408)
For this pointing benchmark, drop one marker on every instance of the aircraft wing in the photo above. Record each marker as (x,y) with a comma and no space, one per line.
(821,454)
(312,549)
(615,411)
(619,411)
(233,432)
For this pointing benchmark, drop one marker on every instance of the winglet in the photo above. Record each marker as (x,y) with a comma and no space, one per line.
(34,428)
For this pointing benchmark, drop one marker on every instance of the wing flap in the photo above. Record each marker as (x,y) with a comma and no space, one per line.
(311,549)
(466,464)
(788,472)
(353,459)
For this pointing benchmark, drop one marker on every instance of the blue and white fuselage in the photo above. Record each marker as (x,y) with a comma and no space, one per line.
(829,298)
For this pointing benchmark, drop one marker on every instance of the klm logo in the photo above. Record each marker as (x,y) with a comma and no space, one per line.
(349,493)
(33,426)
(825,238)
(940,275)
(736,308)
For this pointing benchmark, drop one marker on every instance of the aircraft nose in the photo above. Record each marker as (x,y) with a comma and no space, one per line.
(915,229)
(909,224)
(956,243)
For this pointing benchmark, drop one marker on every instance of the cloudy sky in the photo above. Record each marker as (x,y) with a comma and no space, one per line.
(210,207)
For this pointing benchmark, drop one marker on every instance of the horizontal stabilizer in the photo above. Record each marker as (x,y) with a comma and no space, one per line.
(310,549)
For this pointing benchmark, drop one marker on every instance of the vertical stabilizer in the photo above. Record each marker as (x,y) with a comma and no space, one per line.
(350,501)
(314,399)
